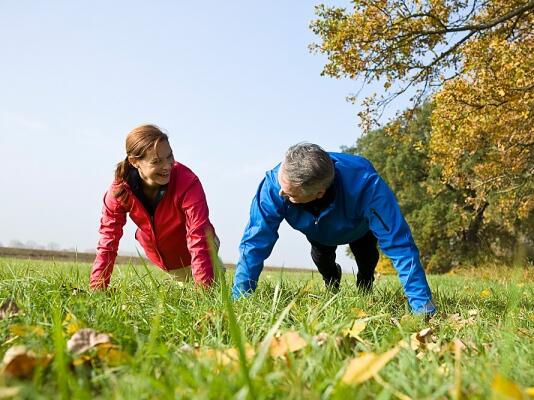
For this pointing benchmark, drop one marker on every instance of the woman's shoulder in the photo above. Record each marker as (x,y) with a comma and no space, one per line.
(182,173)
(113,198)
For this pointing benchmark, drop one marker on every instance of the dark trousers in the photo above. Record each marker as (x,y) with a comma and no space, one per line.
(365,253)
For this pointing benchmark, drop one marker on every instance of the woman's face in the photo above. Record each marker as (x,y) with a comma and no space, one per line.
(155,167)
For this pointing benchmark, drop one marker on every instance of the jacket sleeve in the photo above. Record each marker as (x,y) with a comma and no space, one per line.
(259,238)
(395,239)
(198,229)
(111,226)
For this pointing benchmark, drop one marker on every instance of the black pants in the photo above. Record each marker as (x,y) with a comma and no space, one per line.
(365,253)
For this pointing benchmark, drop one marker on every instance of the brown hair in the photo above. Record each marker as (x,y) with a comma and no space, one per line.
(138,141)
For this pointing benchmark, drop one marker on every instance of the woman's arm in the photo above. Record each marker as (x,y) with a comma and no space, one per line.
(111,225)
(198,231)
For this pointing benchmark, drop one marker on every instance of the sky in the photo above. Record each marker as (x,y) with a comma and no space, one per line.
(233,83)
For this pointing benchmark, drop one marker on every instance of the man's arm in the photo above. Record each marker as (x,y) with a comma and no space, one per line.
(395,239)
(259,238)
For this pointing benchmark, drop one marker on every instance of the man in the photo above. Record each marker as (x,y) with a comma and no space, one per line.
(333,198)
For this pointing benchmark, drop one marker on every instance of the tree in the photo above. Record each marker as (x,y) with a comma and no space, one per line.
(476,61)
(434,211)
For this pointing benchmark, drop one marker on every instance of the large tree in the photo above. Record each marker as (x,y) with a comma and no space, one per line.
(476,59)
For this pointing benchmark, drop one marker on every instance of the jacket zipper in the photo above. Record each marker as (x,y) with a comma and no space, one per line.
(380,219)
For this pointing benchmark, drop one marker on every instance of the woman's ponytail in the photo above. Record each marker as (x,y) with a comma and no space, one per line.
(121,173)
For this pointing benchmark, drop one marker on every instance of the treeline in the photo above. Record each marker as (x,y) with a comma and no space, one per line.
(451,225)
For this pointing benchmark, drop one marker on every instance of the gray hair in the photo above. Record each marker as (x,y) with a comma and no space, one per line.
(307,165)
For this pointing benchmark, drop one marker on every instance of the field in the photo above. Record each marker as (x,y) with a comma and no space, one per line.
(291,340)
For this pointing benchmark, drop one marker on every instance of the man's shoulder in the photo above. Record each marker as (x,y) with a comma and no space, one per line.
(271,176)
(351,163)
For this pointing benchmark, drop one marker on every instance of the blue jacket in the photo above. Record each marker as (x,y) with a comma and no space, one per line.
(363,202)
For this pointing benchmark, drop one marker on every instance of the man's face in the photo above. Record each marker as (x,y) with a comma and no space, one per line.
(294,193)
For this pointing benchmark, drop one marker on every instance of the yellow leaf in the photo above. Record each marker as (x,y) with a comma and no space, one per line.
(358,312)
(25,330)
(530,391)
(366,366)
(83,359)
(228,356)
(72,324)
(111,355)
(503,388)
(287,343)
(485,294)
(357,327)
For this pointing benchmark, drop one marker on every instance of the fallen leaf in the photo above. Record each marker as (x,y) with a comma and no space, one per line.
(359,313)
(287,343)
(321,338)
(472,313)
(7,392)
(111,355)
(8,309)
(25,330)
(226,357)
(86,339)
(505,388)
(186,348)
(423,334)
(72,324)
(366,366)
(424,340)
(82,360)
(444,370)
(357,327)
(19,362)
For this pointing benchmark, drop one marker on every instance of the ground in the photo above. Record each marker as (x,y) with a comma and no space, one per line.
(168,340)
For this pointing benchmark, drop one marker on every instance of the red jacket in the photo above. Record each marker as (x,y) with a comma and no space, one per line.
(177,238)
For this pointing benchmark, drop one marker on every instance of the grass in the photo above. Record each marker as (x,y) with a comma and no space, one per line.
(157,322)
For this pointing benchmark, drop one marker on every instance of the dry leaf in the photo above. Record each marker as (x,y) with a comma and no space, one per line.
(359,313)
(111,355)
(366,366)
(357,327)
(423,334)
(505,388)
(472,313)
(8,309)
(25,330)
(72,324)
(86,339)
(186,348)
(424,340)
(19,362)
(321,338)
(287,343)
(227,357)
(82,360)
(7,392)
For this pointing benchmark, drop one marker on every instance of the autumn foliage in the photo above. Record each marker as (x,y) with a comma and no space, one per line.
(474,62)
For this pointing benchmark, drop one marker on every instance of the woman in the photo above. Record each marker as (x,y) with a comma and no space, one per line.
(167,203)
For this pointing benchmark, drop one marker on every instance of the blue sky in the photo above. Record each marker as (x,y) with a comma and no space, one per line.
(232,82)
